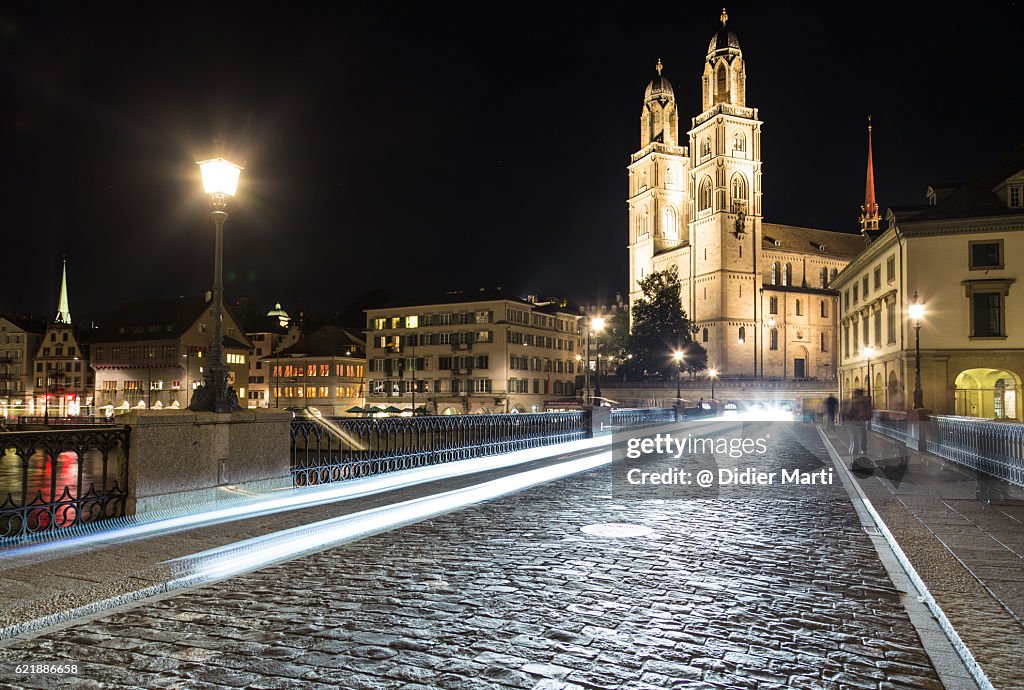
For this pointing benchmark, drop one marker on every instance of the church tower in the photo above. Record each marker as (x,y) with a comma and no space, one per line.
(658,184)
(63,310)
(725,232)
(869,217)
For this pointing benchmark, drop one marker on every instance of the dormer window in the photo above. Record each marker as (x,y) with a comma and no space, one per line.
(1014,196)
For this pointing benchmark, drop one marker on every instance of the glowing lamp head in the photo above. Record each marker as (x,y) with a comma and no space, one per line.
(916,311)
(869,351)
(220,176)
(597,323)
(678,356)
(713,373)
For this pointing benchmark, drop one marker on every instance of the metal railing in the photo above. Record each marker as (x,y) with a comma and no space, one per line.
(329,450)
(892,423)
(996,448)
(623,419)
(52,480)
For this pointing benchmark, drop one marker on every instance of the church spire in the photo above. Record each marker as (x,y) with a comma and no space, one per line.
(63,311)
(869,211)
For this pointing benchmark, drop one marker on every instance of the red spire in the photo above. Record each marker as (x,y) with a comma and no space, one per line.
(869,211)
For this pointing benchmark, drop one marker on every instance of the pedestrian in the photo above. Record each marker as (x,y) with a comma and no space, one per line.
(831,406)
(859,414)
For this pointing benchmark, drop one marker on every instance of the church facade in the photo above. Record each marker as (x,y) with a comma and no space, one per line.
(759,294)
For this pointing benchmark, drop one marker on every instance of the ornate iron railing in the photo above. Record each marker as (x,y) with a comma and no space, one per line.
(329,450)
(53,480)
(891,423)
(996,448)
(623,419)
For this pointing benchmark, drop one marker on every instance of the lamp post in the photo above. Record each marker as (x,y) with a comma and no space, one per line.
(677,357)
(713,374)
(220,180)
(869,352)
(597,325)
(586,375)
(917,313)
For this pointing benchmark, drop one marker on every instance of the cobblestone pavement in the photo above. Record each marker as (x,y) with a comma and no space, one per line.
(771,588)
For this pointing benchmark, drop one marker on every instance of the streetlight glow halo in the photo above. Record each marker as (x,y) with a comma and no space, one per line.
(220,176)
(916,311)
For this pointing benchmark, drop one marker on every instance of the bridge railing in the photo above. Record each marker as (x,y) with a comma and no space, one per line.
(892,423)
(996,448)
(330,450)
(52,480)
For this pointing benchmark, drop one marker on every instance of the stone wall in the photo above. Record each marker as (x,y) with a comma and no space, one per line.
(179,458)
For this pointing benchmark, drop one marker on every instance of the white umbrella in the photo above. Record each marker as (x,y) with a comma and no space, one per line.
(141,405)
(158,405)
(174,406)
(124,406)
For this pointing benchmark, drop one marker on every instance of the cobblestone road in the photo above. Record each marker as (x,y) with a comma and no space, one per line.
(768,588)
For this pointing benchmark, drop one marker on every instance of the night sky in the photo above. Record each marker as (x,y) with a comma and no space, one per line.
(433,147)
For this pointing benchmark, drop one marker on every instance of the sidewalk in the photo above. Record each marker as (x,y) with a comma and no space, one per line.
(964,535)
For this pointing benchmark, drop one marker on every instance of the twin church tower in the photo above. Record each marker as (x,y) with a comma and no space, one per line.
(757,293)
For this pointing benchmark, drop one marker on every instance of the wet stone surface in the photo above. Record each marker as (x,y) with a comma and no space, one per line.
(772,588)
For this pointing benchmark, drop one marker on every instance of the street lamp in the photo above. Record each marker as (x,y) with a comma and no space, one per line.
(869,352)
(220,180)
(917,313)
(677,357)
(713,374)
(596,325)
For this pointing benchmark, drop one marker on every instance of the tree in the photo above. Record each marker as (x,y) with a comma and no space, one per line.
(660,327)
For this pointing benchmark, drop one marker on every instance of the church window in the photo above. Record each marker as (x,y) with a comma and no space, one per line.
(706,147)
(743,335)
(704,335)
(704,196)
(739,189)
(643,180)
(773,305)
(669,221)
(739,142)
(824,343)
(832,276)
(773,339)
(824,309)
(787,275)
(824,277)
(799,311)
(722,86)
(670,177)
(775,273)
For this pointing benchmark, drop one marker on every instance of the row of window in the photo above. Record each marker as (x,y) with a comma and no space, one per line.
(352,371)
(68,366)
(779,274)
(457,386)
(862,330)
(456,362)
(313,392)
(773,338)
(8,339)
(773,307)
(520,316)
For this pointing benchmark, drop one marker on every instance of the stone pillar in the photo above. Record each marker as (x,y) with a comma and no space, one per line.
(177,458)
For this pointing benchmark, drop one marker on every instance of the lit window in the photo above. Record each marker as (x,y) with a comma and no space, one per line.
(411,322)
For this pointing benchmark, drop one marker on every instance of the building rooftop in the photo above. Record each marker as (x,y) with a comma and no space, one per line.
(328,341)
(29,324)
(811,240)
(977,197)
(475,296)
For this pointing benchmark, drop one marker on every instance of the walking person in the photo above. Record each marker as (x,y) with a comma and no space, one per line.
(831,407)
(859,415)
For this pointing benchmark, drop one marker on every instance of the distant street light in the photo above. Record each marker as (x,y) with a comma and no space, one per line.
(869,352)
(917,313)
(678,357)
(596,325)
(220,180)
(713,374)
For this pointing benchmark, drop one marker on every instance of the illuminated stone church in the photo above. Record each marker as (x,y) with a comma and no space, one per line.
(758,293)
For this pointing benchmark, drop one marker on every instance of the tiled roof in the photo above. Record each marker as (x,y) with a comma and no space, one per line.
(328,341)
(792,238)
(29,324)
(977,197)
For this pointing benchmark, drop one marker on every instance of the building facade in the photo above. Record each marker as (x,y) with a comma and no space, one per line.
(482,352)
(19,343)
(324,369)
(759,293)
(152,354)
(960,255)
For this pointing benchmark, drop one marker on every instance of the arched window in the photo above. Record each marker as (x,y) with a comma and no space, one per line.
(824,277)
(787,275)
(644,215)
(705,149)
(739,142)
(832,276)
(799,311)
(704,196)
(704,335)
(670,177)
(775,273)
(773,339)
(824,343)
(773,305)
(722,87)
(739,188)
(669,229)
(743,335)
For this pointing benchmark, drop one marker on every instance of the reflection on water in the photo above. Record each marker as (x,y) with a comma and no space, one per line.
(50,475)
